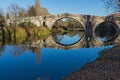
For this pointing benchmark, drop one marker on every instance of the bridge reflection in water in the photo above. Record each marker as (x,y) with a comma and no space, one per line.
(66,37)
(52,64)
(63,64)
(69,40)
(68,33)
(106,33)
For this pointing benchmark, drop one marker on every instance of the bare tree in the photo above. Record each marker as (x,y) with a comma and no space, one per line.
(7,16)
(113,5)
(13,10)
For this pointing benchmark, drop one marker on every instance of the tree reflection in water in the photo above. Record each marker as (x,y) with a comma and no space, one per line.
(1,51)
(18,50)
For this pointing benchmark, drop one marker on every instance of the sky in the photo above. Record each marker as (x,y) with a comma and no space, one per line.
(88,7)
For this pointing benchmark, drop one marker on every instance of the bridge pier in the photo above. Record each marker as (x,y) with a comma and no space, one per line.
(88,31)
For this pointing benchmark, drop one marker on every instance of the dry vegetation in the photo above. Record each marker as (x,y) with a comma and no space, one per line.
(20,34)
(106,67)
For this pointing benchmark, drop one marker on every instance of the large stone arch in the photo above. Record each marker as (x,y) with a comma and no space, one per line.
(51,20)
(70,18)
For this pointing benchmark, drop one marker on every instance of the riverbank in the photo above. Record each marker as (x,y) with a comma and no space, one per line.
(18,35)
(106,67)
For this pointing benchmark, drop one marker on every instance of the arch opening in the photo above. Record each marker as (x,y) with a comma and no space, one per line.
(106,31)
(67,31)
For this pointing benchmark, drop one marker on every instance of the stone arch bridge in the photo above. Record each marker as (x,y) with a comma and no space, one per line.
(49,20)
(89,22)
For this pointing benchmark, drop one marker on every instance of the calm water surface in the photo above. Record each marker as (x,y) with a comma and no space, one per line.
(19,63)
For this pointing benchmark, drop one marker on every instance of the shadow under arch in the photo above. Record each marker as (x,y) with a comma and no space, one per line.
(77,21)
(106,31)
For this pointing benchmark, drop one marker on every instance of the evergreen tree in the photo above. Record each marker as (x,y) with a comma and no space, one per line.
(1,16)
(7,16)
(37,8)
(22,13)
(31,11)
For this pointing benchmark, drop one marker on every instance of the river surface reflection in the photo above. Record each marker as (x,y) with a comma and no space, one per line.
(68,39)
(20,63)
(51,58)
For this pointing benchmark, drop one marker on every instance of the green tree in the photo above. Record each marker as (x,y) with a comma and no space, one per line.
(22,13)
(37,10)
(7,16)
(44,11)
(1,16)
(31,11)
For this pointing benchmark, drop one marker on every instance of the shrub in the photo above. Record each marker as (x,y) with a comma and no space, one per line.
(36,33)
(19,34)
(27,24)
(43,33)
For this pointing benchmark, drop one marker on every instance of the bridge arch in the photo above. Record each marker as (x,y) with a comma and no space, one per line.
(108,30)
(77,25)
(51,20)
(68,18)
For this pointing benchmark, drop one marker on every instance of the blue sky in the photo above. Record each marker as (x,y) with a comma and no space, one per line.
(92,7)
